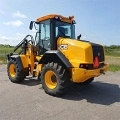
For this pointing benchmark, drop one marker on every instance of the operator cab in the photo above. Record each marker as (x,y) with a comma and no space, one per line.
(50,28)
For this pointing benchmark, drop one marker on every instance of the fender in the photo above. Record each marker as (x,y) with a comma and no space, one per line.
(53,55)
(18,60)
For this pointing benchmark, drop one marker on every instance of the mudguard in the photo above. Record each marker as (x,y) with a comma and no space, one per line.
(54,55)
(18,60)
(24,69)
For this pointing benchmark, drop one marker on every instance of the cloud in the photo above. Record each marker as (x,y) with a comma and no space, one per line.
(19,15)
(11,40)
(20,36)
(16,23)
(3,37)
(1,12)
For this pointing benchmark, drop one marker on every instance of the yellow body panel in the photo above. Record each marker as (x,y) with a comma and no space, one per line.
(24,61)
(81,75)
(77,51)
(29,59)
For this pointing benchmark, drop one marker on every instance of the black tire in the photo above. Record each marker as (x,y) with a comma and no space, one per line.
(55,79)
(14,74)
(87,82)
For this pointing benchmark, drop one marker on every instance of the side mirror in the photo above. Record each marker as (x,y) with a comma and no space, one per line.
(79,36)
(31,25)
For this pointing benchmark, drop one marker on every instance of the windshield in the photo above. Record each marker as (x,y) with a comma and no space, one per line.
(65,29)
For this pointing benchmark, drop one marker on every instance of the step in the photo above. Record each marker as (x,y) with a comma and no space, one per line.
(36,63)
(35,70)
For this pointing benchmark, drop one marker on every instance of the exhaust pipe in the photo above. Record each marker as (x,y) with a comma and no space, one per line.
(102,72)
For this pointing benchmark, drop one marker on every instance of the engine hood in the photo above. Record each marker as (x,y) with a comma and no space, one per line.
(76,51)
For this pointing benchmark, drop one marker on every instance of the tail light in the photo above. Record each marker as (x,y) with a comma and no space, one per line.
(96,62)
(86,66)
(92,66)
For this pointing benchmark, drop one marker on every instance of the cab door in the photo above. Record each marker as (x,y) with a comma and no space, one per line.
(44,36)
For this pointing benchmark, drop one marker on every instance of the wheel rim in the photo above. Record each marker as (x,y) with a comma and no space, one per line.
(50,80)
(12,70)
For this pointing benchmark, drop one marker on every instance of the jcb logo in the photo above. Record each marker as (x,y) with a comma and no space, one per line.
(63,46)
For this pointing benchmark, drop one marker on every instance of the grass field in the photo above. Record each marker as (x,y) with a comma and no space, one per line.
(113,52)
(114,63)
(112,57)
(3,53)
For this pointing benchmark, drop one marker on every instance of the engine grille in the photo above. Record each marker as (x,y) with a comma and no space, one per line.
(98,51)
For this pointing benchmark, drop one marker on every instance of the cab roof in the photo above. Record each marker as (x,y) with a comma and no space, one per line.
(69,19)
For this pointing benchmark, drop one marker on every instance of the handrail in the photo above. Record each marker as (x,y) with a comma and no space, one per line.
(23,41)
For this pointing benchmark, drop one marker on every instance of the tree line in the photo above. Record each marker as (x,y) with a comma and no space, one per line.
(6,46)
(106,47)
(112,47)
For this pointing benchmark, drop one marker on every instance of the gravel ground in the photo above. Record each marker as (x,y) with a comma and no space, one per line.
(27,101)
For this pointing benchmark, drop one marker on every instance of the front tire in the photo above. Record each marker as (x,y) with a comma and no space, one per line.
(55,79)
(15,75)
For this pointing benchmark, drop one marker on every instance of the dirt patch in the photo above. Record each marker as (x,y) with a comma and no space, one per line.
(113,60)
(1,62)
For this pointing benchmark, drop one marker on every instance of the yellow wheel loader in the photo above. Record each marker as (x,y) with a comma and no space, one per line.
(55,56)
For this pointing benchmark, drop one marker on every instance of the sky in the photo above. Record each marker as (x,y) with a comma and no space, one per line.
(97,20)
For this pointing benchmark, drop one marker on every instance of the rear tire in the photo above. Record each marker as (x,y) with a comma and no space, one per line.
(55,79)
(87,82)
(15,75)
